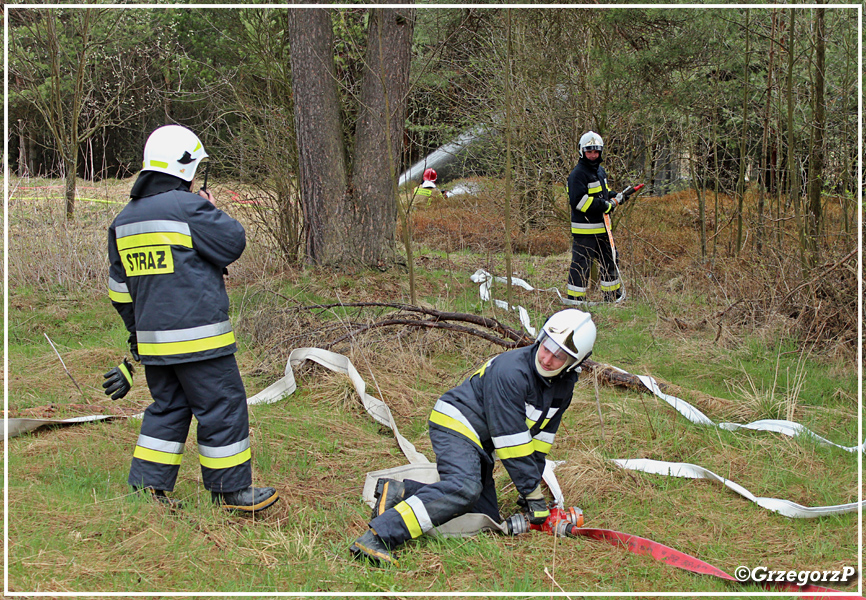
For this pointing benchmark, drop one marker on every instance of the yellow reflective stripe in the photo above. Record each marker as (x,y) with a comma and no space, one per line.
(515,451)
(424,191)
(480,371)
(186,347)
(225,462)
(155,456)
(159,163)
(455,425)
(154,239)
(197,146)
(125,372)
(410,519)
(539,446)
(611,287)
(594,190)
(119,297)
(575,230)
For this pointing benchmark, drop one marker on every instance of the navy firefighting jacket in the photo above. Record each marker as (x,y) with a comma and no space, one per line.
(508,408)
(167,254)
(587,193)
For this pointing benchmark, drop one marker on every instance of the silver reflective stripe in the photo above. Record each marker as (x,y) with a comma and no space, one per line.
(224,451)
(593,184)
(420,513)
(184,335)
(574,288)
(156,226)
(547,438)
(452,411)
(587,225)
(552,412)
(116,286)
(608,283)
(515,439)
(533,413)
(151,443)
(583,202)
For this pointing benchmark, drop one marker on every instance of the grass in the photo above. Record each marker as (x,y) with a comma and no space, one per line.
(74,526)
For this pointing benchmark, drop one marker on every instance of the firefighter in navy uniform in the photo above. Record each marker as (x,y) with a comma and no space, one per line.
(590,200)
(168,251)
(511,407)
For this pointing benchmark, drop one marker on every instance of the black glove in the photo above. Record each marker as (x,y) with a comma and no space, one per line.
(118,381)
(608,206)
(133,347)
(536,509)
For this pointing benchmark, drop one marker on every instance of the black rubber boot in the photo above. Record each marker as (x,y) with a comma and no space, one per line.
(371,547)
(389,493)
(159,496)
(250,500)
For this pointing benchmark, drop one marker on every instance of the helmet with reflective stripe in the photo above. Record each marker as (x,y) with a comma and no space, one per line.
(570,331)
(590,141)
(175,150)
(429,175)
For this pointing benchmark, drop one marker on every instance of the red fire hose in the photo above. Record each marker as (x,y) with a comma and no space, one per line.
(569,523)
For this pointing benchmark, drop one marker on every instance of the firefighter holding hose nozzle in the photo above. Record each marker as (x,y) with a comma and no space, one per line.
(511,407)
(591,204)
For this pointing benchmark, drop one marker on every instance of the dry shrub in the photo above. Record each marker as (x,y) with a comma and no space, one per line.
(476,222)
(47,252)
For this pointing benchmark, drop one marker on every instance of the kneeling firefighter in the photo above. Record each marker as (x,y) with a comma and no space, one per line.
(168,250)
(590,201)
(511,407)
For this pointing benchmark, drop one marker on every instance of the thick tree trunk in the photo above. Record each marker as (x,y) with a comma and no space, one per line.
(384,88)
(349,220)
(322,161)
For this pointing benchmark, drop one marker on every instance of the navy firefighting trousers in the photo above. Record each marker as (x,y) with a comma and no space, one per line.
(584,249)
(466,485)
(213,391)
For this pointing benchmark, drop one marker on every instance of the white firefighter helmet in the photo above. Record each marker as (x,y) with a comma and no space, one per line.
(175,150)
(569,333)
(590,141)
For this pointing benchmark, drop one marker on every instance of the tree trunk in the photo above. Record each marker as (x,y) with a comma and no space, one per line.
(741,182)
(71,166)
(23,171)
(793,171)
(816,156)
(321,154)
(384,88)
(349,220)
(765,166)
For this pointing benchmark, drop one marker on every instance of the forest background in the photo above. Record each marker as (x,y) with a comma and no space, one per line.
(741,256)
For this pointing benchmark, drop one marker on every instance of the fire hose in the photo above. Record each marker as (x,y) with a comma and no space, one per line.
(568,523)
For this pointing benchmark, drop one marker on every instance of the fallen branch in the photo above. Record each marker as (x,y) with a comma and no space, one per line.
(439,319)
(432,325)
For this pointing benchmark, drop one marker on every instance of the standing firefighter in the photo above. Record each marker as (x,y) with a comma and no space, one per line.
(169,249)
(590,201)
(512,406)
